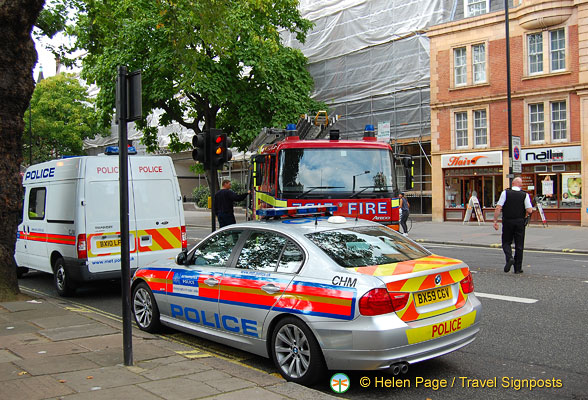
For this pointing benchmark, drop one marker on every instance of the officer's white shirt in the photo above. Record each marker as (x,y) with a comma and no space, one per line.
(502,198)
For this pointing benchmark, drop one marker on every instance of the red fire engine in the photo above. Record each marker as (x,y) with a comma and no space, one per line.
(357,176)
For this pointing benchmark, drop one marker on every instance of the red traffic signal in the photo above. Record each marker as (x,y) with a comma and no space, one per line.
(219,152)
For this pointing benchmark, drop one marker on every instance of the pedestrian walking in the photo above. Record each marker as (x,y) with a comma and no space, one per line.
(404,213)
(515,206)
(223,204)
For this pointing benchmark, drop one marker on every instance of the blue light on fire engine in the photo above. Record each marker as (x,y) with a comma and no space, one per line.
(296,211)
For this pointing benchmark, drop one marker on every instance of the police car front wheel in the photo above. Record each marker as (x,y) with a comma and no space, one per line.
(296,352)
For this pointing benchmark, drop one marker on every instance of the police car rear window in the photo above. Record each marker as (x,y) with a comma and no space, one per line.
(365,246)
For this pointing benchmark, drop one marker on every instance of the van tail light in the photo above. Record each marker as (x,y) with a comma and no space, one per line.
(467,284)
(380,301)
(82,248)
(184,238)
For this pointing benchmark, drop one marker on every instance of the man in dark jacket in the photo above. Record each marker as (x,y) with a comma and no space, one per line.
(223,204)
(516,206)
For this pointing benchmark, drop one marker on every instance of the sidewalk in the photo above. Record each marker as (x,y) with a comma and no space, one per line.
(50,349)
(558,238)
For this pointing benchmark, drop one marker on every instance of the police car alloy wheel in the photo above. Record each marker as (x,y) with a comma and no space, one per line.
(145,309)
(296,352)
(63,284)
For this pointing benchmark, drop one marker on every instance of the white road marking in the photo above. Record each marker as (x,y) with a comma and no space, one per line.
(506,298)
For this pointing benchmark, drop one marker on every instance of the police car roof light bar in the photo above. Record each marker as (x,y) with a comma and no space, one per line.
(267,213)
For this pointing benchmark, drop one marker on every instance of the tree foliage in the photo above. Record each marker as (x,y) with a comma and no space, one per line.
(61,116)
(207,64)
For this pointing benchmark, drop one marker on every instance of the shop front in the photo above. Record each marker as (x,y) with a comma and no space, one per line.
(553,178)
(471,174)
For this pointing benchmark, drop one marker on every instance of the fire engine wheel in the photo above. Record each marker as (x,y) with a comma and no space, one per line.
(63,283)
(145,308)
(296,352)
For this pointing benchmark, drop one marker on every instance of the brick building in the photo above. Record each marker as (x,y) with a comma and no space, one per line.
(549,91)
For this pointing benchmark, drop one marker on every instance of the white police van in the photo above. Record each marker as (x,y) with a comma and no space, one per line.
(71,223)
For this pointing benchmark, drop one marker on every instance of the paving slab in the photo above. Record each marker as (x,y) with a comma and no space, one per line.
(56,364)
(294,391)
(78,331)
(16,328)
(34,388)
(256,393)
(124,392)
(230,384)
(185,367)
(8,356)
(59,321)
(256,376)
(10,371)
(180,388)
(22,338)
(46,349)
(34,304)
(105,377)
(100,342)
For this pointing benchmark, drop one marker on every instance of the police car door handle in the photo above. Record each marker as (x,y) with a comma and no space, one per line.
(211,282)
(270,288)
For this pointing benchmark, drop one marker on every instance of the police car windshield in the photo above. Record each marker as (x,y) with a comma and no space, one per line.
(343,171)
(365,246)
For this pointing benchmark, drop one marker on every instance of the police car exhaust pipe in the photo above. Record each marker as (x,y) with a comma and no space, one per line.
(399,368)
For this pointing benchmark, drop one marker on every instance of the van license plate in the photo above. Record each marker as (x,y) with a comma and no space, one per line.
(432,296)
(108,243)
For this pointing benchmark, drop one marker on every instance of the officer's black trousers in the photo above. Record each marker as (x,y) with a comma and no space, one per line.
(514,229)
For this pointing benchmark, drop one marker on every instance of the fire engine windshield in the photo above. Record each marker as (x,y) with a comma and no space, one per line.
(314,173)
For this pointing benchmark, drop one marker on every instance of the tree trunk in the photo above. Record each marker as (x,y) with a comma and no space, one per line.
(17,60)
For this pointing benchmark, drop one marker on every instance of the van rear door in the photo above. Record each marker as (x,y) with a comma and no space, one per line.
(158,209)
(102,211)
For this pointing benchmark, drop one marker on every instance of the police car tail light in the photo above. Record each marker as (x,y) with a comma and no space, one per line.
(82,249)
(376,302)
(467,284)
(184,238)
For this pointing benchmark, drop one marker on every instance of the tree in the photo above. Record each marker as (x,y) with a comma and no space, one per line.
(62,115)
(17,59)
(207,64)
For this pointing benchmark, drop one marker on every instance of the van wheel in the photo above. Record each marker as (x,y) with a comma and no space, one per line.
(145,308)
(296,352)
(21,271)
(63,283)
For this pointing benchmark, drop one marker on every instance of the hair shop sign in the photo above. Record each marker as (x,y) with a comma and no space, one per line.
(482,159)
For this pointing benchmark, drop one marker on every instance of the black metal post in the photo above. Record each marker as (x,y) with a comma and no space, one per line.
(508,97)
(30,135)
(123,172)
(213,189)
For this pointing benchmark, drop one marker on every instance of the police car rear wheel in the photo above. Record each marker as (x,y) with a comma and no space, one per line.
(296,352)
(145,308)
(63,283)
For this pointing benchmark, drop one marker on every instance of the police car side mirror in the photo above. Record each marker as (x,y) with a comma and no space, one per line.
(181,258)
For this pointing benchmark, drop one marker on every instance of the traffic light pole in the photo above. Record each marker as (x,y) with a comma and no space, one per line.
(213,190)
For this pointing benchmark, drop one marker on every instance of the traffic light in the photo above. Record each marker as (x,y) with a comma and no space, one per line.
(408,165)
(200,152)
(219,148)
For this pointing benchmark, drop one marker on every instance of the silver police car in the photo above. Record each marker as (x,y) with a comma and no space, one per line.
(314,294)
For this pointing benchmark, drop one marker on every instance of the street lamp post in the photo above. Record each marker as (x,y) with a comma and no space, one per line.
(363,173)
(508,97)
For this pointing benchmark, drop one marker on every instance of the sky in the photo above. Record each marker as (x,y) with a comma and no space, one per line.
(45,59)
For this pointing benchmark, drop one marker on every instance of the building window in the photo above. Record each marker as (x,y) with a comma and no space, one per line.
(546,52)
(535,49)
(476,7)
(558,121)
(460,66)
(479,62)
(536,123)
(480,128)
(461,130)
(558,50)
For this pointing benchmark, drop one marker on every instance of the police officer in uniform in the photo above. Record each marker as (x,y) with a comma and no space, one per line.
(515,205)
